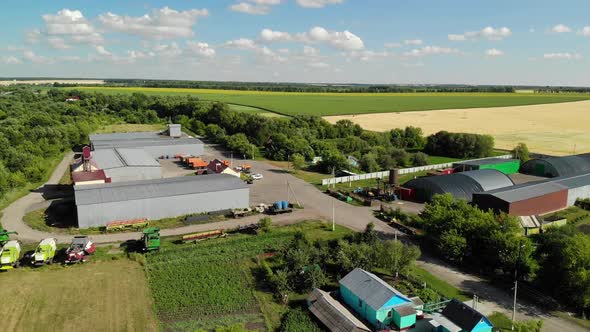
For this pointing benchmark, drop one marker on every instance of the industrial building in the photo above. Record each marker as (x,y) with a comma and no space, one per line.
(552,167)
(506,166)
(578,187)
(100,204)
(157,144)
(525,199)
(122,164)
(461,185)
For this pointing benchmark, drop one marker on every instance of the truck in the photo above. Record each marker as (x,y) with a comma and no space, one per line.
(5,236)
(280,207)
(80,248)
(10,255)
(45,252)
(150,239)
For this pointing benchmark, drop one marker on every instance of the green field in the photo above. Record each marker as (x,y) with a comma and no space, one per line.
(324,104)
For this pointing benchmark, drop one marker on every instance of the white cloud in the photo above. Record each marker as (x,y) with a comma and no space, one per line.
(564,56)
(317,3)
(242,44)
(102,51)
(11,60)
(493,52)
(413,42)
(585,31)
(58,43)
(392,45)
(560,28)
(93,39)
(167,50)
(67,22)
(431,50)
(33,35)
(456,37)
(367,55)
(31,56)
(342,40)
(160,24)
(269,35)
(489,33)
(248,8)
(200,49)
(310,51)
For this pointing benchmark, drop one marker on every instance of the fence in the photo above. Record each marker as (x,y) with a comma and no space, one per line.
(402,171)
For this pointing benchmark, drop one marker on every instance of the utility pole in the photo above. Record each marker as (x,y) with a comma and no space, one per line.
(333,215)
(516,284)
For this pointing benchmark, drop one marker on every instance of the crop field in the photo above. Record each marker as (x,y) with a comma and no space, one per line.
(555,129)
(96,295)
(210,283)
(325,104)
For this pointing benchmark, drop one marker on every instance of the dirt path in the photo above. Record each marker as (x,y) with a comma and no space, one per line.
(317,205)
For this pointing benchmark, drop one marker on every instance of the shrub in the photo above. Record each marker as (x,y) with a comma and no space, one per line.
(297,320)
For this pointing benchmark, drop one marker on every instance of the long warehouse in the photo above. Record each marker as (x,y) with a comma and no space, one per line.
(127,164)
(552,167)
(98,205)
(158,144)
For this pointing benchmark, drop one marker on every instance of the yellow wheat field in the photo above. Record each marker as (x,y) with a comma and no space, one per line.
(555,129)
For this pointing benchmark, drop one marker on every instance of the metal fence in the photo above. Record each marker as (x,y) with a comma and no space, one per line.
(383,174)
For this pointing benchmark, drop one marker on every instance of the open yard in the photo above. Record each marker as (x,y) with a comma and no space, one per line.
(95,295)
(556,129)
(324,104)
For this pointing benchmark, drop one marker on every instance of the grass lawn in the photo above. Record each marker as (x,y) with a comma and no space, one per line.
(129,128)
(324,104)
(212,283)
(110,295)
(442,287)
(252,110)
(435,160)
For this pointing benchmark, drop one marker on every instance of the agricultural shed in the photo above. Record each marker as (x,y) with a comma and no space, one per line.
(506,166)
(86,178)
(578,187)
(461,185)
(217,166)
(530,224)
(552,167)
(525,199)
(333,314)
(127,164)
(377,301)
(458,317)
(98,205)
(157,144)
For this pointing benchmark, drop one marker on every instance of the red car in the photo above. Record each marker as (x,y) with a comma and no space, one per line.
(80,247)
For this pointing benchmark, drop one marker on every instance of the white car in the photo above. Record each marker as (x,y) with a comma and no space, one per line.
(257,176)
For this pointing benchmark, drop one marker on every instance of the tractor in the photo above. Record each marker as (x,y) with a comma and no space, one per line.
(10,255)
(79,249)
(150,239)
(45,252)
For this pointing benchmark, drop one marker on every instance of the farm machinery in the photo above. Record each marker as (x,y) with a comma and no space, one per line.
(79,249)
(10,255)
(150,239)
(45,252)
(5,235)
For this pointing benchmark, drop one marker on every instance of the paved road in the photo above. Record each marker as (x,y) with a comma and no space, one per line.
(278,185)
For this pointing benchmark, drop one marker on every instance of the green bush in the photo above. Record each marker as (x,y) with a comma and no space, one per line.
(297,320)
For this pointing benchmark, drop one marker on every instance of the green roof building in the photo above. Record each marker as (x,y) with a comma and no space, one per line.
(506,166)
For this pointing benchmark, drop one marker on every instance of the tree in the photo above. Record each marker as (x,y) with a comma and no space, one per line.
(396,257)
(521,151)
(369,163)
(332,160)
(215,133)
(298,161)
(265,224)
(314,277)
(420,159)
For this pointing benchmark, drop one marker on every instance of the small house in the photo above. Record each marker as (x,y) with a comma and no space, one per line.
(459,317)
(217,166)
(530,224)
(377,301)
(333,314)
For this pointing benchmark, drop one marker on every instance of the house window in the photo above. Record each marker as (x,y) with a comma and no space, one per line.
(389,314)
(360,303)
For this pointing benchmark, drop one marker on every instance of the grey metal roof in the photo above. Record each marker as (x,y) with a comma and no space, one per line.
(461,185)
(370,288)
(530,221)
(117,158)
(560,166)
(144,189)
(124,136)
(525,191)
(489,161)
(573,182)
(333,314)
(405,310)
(463,315)
(138,140)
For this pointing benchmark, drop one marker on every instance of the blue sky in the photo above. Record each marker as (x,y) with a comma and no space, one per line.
(366,41)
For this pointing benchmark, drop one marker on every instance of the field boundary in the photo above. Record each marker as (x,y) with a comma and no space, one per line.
(402,171)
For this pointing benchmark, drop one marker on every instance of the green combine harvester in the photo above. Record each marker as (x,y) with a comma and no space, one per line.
(150,240)
(5,235)
(10,255)
(45,252)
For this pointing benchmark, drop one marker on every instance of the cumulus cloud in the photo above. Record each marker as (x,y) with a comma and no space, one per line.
(263,53)
(200,49)
(342,40)
(167,50)
(561,28)
(317,3)
(562,55)
(102,50)
(58,43)
(431,50)
(585,31)
(160,24)
(11,60)
(249,8)
(269,35)
(34,58)
(493,52)
(367,55)
(413,42)
(33,36)
(242,44)
(310,51)
(489,33)
(392,45)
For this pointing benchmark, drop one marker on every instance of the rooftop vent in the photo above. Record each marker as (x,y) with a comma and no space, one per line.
(174,130)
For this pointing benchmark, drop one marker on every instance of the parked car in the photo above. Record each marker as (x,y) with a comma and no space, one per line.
(257,176)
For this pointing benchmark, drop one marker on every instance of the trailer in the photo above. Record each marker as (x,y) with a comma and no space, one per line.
(280,207)
(79,250)
(150,239)
(45,252)
(10,255)
(126,224)
(203,236)
(239,213)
